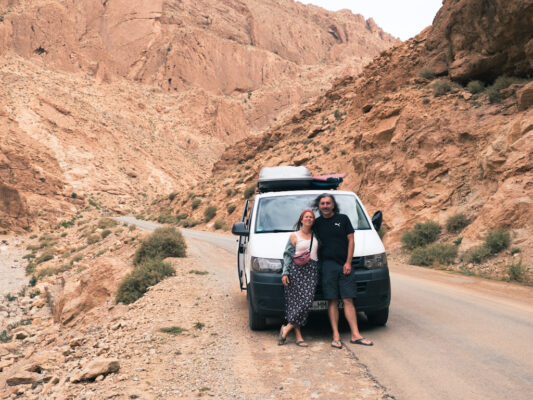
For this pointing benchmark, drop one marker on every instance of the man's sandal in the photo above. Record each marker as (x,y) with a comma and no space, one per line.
(302,343)
(362,341)
(336,344)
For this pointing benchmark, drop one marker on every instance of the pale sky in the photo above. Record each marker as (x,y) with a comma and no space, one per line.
(401,18)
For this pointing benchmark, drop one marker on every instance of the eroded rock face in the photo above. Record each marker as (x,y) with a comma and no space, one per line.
(90,289)
(122,101)
(478,39)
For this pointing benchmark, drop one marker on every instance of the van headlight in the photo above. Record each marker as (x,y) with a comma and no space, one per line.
(266,264)
(376,261)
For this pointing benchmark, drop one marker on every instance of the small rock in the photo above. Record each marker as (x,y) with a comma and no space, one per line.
(20,335)
(22,378)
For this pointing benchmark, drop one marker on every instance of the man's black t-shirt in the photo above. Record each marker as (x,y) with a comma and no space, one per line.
(332,233)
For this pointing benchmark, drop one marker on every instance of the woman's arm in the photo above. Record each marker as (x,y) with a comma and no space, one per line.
(288,254)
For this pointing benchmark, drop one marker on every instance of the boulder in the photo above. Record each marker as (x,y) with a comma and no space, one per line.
(92,288)
(525,96)
(99,366)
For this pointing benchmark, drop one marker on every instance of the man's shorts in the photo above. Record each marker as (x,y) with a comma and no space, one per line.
(336,285)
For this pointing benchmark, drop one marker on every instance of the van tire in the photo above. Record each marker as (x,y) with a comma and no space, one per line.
(256,321)
(378,317)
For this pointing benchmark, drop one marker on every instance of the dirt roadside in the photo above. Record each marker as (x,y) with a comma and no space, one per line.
(215,355)
(12,275)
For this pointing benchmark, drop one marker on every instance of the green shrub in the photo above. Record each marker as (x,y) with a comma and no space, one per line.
(43,258)
(229,192)
(497,241)
(426,73)
(458,241)
(106,223)
(172,330)
(92,239)
(28,256)
(189,223)
(494,95)
(195,203)
(456,223)
(164,242)
(30,268)
(5,337)
(209,213)
(515,250)
(105,233)
(220,224)
(231,208)
(136,283)
(441,87)
(172,196)
(503,82)
(35,294)
(197,272)
(475,87)
(33,281)
(10,297)
(166,218)
(517,271)
(476,254)
(422,234)
(443,254)
(249,191)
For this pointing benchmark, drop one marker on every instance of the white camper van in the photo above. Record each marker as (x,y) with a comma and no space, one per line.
(268,220)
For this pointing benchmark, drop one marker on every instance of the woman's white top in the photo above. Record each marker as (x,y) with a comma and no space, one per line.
(303,244)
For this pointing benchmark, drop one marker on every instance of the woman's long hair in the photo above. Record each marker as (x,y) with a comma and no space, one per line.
(298,223)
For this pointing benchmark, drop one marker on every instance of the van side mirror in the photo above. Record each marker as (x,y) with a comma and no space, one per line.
(377,219)
(239,228)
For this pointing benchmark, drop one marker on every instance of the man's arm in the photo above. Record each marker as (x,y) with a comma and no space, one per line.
(348,264)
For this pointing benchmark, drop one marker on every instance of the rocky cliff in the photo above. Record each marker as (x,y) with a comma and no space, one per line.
(123,100)
(416,146)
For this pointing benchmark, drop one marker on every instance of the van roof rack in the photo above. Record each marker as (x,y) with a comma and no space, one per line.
(282,178)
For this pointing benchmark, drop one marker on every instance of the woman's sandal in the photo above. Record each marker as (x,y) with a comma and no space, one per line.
(336,344)
(281,339)
(362,341)
(302,343)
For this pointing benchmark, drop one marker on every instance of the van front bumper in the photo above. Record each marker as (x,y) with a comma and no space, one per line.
(267,297)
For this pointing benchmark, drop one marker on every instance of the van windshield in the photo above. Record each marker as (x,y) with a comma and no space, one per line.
(280,213)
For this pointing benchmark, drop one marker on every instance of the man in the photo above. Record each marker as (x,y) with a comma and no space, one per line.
(335,232)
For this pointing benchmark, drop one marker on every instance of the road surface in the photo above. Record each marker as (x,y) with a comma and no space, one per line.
(449,336)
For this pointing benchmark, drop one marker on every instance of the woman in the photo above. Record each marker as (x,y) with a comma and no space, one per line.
(299,280)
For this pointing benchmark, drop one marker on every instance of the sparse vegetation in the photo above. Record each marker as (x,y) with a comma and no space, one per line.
(210,213)
(10,297)
(43,258)
(231,208)
(196,272)
(494,95)
(475,87)
(92,239)
(456,223)
(106,223)
(164,242)
(517,271)
(220,224)
(172,330)
(441,87)
(426,73)
(249,191)
(199,326)
(33,281)
(422,234)
(5,337)
(437,253)
(195,203)
(495,242)
(105,233)
(146,274)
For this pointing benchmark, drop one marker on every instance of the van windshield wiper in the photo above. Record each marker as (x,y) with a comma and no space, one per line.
(276,231)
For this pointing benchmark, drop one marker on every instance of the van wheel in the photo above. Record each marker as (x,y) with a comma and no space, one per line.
(378,317)
(256,321)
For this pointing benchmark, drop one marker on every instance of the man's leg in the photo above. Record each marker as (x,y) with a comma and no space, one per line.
(351,317)
(333,313)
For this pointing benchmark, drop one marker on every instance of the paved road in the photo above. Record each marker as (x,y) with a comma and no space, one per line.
(448,336)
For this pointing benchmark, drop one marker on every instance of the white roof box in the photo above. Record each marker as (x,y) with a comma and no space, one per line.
(284,178)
